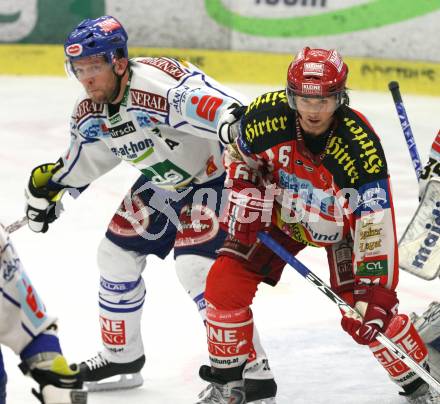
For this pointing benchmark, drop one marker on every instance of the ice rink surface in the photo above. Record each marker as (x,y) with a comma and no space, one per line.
(313,359)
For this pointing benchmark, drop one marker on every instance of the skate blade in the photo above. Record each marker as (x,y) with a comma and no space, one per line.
(119,382)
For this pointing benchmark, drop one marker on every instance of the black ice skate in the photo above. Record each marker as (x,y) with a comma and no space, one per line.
(423,395)
(101,375)
(259,383)
(219,392)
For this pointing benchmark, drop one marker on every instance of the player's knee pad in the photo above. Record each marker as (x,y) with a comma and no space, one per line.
(121,298)
(192,271)
(120,272)
(403,333)
(230,285)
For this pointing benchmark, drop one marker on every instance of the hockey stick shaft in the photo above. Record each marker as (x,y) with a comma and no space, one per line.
(18,224)
(406,127)
(345,307)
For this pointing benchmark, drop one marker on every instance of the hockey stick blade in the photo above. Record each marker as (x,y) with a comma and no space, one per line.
(18,224)
(344,306)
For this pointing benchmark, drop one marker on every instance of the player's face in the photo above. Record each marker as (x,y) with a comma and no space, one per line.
(97,78)
(316,114)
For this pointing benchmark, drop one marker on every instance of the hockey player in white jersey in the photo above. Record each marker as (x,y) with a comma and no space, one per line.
(159,115)
(31,333)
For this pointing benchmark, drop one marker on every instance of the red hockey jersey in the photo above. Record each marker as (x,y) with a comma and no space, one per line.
(322,199)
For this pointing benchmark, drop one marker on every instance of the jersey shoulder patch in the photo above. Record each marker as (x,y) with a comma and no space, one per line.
(268,121)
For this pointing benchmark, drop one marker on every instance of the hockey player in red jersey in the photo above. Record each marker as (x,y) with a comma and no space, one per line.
(27,329)
(310,171)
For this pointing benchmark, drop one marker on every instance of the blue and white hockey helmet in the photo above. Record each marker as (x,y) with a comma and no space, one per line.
(102,36)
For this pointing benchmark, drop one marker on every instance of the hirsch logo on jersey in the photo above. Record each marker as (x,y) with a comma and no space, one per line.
(74,50)
(167,66)
(87,107)
(112,331)
(122,130)
(149,100)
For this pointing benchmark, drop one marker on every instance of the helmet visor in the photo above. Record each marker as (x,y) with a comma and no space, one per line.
(87,68)
(309,103)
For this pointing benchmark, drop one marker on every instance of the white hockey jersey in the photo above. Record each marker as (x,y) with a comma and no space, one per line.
(165,127)
(23,315)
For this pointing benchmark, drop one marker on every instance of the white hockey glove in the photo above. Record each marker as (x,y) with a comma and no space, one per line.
(43,203)
(229,123)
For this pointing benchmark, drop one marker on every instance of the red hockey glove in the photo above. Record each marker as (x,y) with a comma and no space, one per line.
(247,211)
(376,307)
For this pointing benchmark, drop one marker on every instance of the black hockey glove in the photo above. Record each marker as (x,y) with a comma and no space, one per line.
(43,203)
(228,125)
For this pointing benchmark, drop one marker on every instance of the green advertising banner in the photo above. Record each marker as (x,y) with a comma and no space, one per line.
(44,21)
(374,14)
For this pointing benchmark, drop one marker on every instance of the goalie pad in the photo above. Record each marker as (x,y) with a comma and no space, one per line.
(428,327)
(419,247)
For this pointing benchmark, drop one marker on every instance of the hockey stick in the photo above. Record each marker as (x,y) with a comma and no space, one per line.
(406,127)
(345,307)
(18,224)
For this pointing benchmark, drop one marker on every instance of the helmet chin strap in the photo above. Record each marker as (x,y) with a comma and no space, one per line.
(117,89)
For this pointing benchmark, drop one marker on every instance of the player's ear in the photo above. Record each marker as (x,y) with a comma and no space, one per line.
(120,66)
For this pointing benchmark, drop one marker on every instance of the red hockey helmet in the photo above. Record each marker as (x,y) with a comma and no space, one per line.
(316,73)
